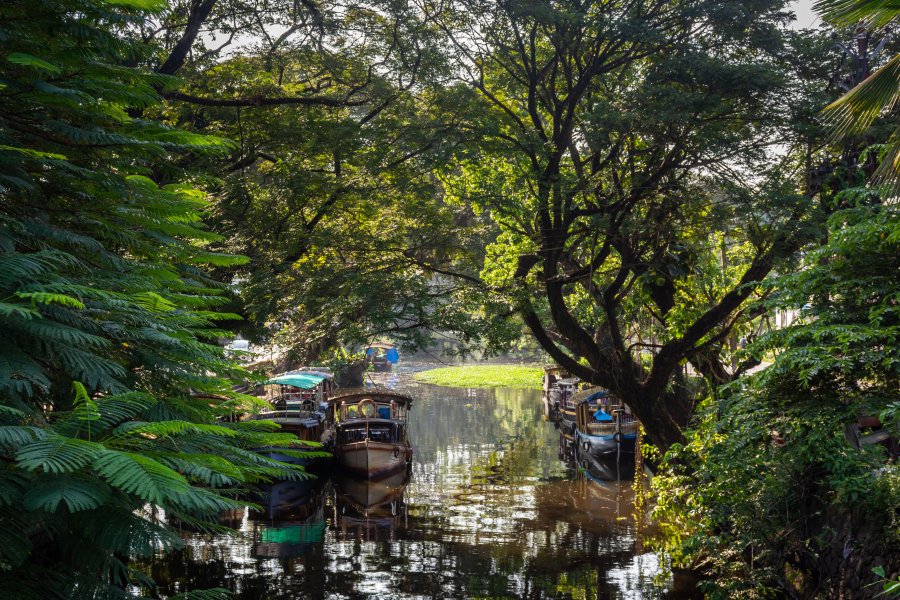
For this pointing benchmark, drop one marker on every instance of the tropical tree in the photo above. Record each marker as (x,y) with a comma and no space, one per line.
(329,192)
(854,112)
(780,487)
(625,150)
(112,387)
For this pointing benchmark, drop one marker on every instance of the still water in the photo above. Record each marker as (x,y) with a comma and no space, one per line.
(488,511)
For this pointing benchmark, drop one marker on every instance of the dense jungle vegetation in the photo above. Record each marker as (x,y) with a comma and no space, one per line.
(639,185)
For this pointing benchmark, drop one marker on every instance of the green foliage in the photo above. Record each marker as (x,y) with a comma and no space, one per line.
(890,588)
(854,112)
(111,384)
(768,482)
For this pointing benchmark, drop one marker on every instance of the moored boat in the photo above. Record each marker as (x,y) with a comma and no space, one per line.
(368,433)
(564,394)
(605,428)
(382,356)
(552,374)
(298,402)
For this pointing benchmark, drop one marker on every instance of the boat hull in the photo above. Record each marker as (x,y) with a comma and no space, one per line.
(372,459)
(606,446)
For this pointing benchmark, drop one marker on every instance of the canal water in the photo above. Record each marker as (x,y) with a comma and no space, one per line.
(488,511)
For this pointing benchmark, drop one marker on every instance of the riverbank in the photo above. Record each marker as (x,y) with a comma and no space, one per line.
(484,376)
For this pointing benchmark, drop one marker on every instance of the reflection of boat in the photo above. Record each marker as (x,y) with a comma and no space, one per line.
(605,469)
(364,505)
(297,401)
(382,356)
(605,428)
(369,432)
(292,521)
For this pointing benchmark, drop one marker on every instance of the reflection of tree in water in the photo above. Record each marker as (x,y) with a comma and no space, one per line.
(490,512)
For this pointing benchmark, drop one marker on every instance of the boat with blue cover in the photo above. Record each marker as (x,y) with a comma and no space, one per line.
(605,427)
(298,401)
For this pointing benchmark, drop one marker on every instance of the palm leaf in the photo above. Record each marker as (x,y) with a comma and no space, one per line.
(855,111)
(136,474)
(13,436)
(845,13)
(76,491)
(57,454)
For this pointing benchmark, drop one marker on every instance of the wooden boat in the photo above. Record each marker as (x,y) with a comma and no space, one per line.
(552,374)
(563,394)
(605,427)
(368,433)
(298,403)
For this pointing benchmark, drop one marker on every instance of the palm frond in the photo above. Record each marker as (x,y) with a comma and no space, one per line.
(136,474)
(871,13)
(57,454)
(77,492)
(855,111)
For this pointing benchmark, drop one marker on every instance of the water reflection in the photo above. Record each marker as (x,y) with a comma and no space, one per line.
(292,522)
(487,511)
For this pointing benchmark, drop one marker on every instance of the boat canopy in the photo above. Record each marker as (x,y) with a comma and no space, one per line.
(352,396)
(592,393)
(304,381)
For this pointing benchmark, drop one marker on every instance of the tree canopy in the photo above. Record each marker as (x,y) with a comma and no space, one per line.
(637,184)
(111,381)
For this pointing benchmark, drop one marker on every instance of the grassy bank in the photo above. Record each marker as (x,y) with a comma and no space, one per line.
(484,376)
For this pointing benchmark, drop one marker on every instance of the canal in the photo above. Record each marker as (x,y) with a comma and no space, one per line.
(488,511)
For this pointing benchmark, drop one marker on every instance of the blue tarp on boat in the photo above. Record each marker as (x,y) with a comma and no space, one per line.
(602,416)
(304,381)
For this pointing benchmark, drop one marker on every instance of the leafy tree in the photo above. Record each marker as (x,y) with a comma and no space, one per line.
(111,384)
(330,192)
(615,143)
(770,493)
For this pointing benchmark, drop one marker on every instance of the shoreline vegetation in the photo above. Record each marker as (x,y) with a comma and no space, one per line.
(484,376)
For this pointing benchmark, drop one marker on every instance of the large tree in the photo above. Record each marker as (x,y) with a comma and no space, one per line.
(329,192)
(112,387)
(628,152)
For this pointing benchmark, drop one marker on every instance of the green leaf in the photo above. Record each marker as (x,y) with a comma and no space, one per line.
(28,60)
(152,6)
(48,298)
(136,474)
(57,454)
(867,13)
(77,492)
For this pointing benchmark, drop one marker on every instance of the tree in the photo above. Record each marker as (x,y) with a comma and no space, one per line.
(616,143)
(770,493)
(111,384)
(329,192)
(854,112)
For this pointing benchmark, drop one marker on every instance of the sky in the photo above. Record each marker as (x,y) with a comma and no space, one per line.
(806,17)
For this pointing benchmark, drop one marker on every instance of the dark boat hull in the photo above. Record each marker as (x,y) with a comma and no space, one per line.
(606,446)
